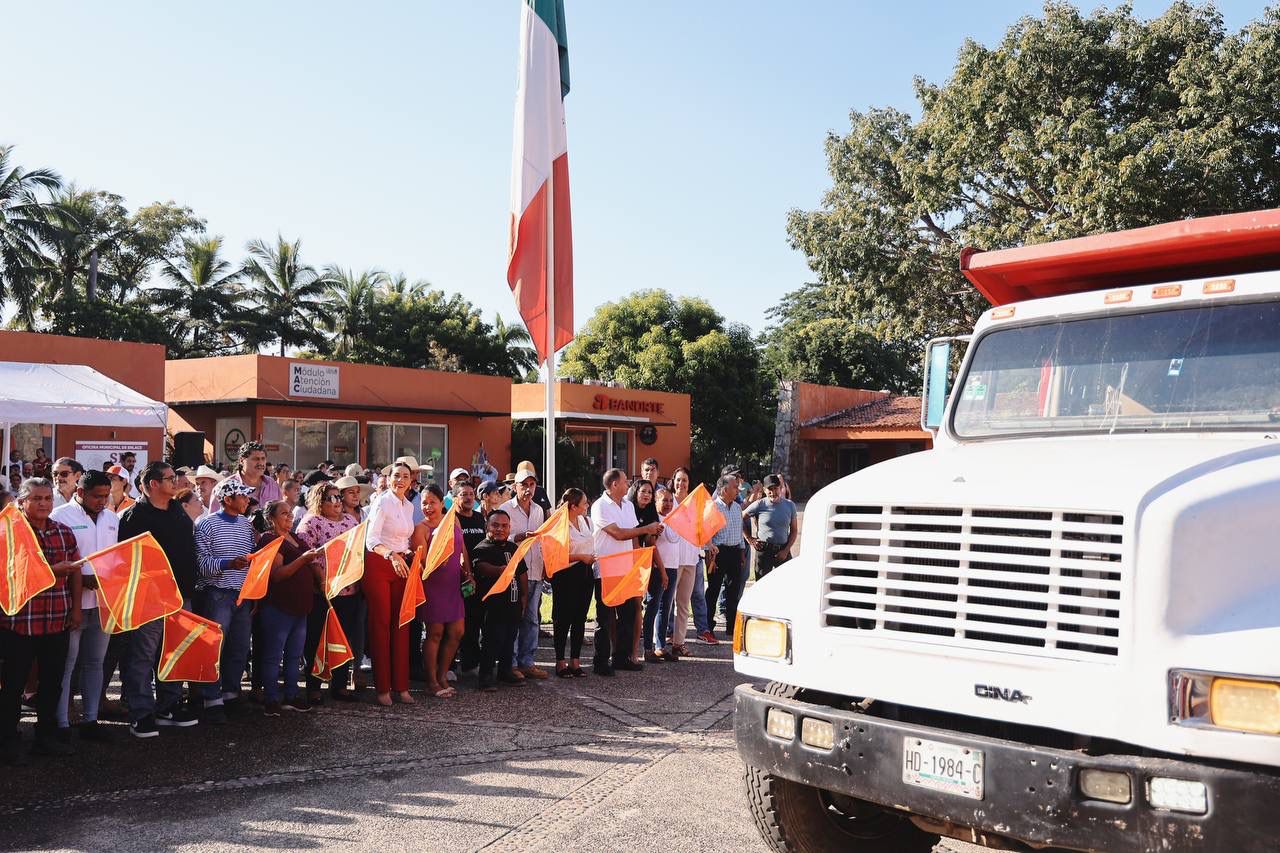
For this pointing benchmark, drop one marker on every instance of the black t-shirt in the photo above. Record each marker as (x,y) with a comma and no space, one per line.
(498,554)
(472,528)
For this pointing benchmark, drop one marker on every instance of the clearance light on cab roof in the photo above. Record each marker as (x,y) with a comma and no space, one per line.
(1115,297)
(1166,291)
(1219,285)
(1003,313)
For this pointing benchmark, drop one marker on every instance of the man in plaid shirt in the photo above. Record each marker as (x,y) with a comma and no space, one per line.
(38,633)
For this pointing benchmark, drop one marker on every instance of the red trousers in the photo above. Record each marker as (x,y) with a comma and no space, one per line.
(388,643)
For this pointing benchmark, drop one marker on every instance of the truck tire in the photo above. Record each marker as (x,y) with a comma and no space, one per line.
(796,818)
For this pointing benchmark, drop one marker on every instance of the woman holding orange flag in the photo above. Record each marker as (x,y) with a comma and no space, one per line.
(444,612)
(387,559)
(572,586)
(325,520)
(289,600)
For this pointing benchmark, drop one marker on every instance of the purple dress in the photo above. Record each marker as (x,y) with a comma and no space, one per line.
(444,595)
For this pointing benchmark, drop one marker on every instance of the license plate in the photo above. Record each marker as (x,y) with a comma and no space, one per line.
(942,767)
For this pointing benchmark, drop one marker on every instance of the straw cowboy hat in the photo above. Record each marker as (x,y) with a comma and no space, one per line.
(411,461)
(344,483)
(204,472)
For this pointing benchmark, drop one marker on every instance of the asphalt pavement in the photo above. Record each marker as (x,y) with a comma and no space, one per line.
(641,761)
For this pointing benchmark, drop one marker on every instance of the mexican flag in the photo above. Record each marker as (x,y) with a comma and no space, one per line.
(540,179)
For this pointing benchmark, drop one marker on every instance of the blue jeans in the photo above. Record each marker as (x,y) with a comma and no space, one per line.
(144,693)
(699,600)
(219,605)
(88,644)
(282,634)
(527,641)
(657,608)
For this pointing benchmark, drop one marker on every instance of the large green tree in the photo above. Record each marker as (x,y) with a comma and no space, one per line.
(201,298)
(24,224)
(286,293)
(149,237)
(652,340)
(1073,124)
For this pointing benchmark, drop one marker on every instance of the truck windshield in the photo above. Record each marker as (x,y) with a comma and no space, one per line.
(1207,367)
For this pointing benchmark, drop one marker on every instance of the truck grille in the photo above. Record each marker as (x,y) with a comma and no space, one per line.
(1041,582)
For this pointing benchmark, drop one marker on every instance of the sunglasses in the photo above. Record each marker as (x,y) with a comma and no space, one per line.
(61,474)
(333,497)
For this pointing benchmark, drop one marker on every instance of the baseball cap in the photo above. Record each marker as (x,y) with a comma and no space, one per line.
(524,471)
(488,488)
(118,471)
(316,476)
(231,488)
(453,475)
(772,481)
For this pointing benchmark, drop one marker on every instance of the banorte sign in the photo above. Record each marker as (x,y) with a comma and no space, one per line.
(605,403)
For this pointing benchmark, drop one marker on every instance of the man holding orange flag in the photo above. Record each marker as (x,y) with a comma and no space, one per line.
(153,702)
(613,521)
(38,632)
(504,609)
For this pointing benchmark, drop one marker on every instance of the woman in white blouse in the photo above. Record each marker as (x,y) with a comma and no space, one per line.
(386,566)
(572,586)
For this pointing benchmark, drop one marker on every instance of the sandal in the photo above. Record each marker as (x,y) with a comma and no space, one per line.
(577,672)
(564,672)
(445,693)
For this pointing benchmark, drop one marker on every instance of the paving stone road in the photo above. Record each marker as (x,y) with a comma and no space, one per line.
(643,761)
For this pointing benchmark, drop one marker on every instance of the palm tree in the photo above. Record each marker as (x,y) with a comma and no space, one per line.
(398,286)
(203,296)
(517,344)
(80,223)
(23,225)
(287,294)
(349,305)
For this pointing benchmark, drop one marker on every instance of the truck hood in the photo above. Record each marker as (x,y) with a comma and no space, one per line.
(1115,473)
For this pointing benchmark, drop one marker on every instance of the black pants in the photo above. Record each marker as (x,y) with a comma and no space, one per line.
(498,645)
(571,597)
(352,614)
(768,559)
(469,648)
(621,622)
(728,574)
(49,653)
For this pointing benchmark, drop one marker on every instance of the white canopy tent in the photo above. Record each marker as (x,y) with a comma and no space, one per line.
(72,394)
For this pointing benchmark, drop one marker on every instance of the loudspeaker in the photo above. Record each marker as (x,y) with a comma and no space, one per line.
(188,449)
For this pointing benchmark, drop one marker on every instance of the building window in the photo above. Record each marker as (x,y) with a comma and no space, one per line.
(428,443)
(305,443)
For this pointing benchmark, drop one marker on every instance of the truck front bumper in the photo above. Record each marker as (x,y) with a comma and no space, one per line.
(1031,793)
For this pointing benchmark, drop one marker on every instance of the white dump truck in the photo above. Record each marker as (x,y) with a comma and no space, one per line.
(1060,627)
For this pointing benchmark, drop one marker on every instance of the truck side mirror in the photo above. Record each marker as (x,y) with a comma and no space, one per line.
(937,380)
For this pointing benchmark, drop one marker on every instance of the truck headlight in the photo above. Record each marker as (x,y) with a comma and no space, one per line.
(1221,701)
(757,637)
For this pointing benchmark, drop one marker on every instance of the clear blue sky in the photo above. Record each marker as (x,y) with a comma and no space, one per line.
(380,133)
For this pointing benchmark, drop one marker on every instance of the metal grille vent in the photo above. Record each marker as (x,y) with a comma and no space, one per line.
(1044,582)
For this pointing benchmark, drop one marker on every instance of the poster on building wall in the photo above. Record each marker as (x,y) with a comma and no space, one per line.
(100,455)
(313,380)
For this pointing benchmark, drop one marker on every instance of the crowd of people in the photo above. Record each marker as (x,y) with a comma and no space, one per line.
(209,522)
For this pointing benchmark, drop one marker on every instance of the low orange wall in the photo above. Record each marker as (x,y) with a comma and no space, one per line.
(815,401)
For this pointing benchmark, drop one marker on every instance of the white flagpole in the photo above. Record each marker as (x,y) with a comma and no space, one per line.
(549,435)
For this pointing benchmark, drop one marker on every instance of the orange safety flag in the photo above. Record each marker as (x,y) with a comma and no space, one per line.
(554,536)
(503,583)
(414,594)
(191,648)
(441,548)
(259,573)
(696,519)
(344,560)
(135,583)
(333,649)
(26,572)
(624,575)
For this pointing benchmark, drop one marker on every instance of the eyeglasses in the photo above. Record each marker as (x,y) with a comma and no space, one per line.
(170,479)
(63,473)
(332,498)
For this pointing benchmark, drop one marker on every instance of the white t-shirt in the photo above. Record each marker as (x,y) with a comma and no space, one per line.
(91,536)
(390,523)
(671,548)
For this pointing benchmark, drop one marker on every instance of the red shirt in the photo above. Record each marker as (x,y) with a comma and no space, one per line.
(47,613)
(296,593)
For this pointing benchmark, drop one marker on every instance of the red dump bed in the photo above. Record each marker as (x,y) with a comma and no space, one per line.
(1193,248)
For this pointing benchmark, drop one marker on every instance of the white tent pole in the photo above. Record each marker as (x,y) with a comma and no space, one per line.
(6,452)
(549,434)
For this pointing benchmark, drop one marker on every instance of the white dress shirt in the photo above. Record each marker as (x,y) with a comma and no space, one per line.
(91,536)
(605,512)
(527,523)
(390,523)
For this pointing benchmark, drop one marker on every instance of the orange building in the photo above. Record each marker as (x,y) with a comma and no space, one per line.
(823,432)
(308,411)
(136,366)
(613,427)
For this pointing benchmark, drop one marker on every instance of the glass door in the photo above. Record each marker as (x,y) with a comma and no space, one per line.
(621,441)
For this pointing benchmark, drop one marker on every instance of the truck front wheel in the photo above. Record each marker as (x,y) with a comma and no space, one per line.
(796,818)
